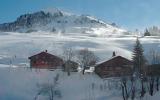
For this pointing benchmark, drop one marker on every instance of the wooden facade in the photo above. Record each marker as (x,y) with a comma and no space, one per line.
(45,60)
(115,67)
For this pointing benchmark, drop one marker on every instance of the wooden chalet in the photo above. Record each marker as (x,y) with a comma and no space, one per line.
(45,60)
(115,67)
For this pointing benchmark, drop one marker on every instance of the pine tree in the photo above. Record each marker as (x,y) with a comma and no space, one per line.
(147,33)
(138,58)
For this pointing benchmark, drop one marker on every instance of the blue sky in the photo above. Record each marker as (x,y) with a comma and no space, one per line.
(129,14)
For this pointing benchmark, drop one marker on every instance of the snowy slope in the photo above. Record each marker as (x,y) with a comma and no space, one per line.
(16,47)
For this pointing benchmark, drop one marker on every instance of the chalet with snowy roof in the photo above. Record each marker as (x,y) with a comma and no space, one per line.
(115,67)
(44,60)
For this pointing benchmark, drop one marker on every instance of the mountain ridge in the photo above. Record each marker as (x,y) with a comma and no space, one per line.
(59,21)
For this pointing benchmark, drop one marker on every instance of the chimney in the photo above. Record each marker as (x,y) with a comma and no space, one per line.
(114,54)
(45,50)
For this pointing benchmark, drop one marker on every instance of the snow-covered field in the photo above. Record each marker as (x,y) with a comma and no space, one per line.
(19,83)
(22,84)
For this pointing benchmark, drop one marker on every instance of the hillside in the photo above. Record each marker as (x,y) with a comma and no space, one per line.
(17,47)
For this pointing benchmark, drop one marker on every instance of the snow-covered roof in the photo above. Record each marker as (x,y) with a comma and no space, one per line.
(111,59)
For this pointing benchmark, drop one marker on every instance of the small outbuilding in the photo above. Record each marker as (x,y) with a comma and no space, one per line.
(153,70)
(73,66)
(115,67)
(45,60)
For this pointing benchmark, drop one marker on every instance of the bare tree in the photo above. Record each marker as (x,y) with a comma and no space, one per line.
(133,88)
(151,85)
(86,59)
(143,91)
(154,56)
(68,55)
(157,83)
(125,92)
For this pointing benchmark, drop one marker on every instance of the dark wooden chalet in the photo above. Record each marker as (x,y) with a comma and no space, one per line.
(115,67)
(45,60)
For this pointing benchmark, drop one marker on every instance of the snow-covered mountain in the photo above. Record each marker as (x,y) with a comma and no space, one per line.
(58,21)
